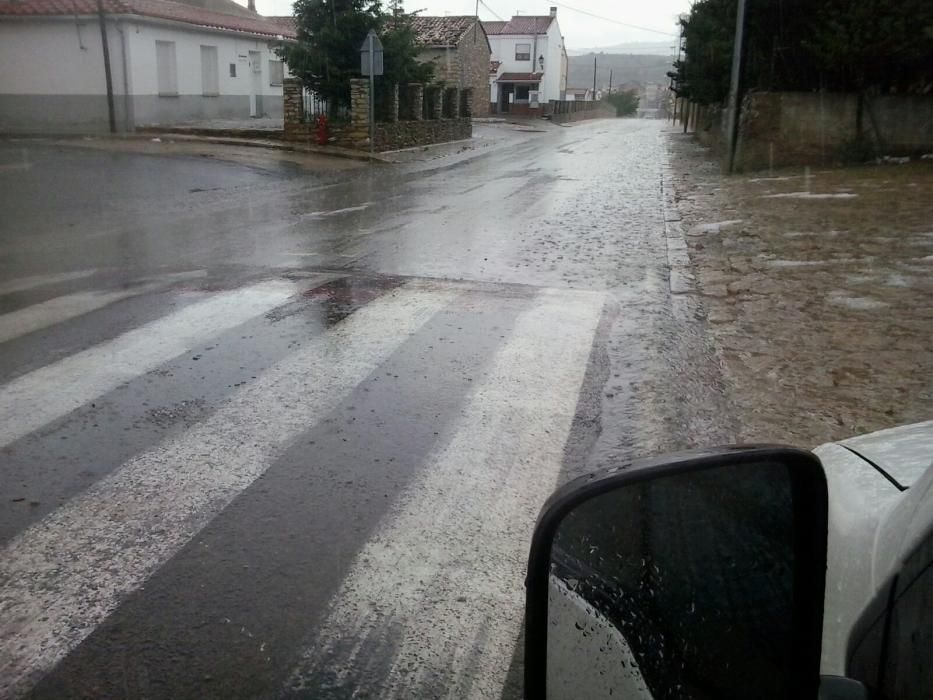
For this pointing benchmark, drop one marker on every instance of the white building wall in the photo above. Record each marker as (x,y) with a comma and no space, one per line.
(30,68)
(233,102)
(53,76)
(553,78)
(52,79)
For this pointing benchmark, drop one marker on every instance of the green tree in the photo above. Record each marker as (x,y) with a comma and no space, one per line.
(326,55)
(625,102)
(875,44)
(845,45)
(709,31)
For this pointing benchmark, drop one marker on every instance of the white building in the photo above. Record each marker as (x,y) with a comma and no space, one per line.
(170,62)
(532,62)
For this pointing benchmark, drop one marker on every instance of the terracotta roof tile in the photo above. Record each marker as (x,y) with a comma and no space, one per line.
(520,24)
(160,9)
(440,31)
(59,7)
(287,21)
(494,27)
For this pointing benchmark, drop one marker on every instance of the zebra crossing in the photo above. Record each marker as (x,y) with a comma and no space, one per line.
(350,516)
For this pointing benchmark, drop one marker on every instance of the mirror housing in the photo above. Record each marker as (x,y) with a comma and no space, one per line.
(806,507)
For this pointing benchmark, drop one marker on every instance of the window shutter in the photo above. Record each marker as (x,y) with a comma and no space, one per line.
(166,69)
(210,79)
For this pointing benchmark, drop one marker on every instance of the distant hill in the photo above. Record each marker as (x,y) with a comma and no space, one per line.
(648,48)
(625,68)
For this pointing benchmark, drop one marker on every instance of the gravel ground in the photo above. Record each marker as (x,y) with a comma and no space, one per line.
(818,292)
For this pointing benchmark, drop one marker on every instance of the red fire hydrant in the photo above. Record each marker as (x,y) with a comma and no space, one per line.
(322,134)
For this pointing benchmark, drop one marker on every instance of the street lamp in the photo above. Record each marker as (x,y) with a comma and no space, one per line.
(541,61)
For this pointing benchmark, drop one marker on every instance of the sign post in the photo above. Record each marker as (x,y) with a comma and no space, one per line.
(371,64)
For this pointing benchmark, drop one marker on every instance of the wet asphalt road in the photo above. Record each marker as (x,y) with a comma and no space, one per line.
(278,433)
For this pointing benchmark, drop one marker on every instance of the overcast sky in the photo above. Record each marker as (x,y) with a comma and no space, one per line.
(581,30)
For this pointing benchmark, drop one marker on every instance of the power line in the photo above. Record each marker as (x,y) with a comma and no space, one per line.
(607,19)
(492,11)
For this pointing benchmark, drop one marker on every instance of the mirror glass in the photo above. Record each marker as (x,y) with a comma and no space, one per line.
(676,587)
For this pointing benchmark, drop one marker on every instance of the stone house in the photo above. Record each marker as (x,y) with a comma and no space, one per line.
(459,49)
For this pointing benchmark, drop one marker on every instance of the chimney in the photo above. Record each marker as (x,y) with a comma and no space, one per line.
(553,12)
(251,5)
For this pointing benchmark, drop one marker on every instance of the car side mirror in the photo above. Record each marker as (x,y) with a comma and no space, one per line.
(698,575)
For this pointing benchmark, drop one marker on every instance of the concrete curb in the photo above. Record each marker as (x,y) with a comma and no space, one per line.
(290,146)
(682,280)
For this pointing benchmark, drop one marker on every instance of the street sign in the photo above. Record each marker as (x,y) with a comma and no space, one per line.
(371,40)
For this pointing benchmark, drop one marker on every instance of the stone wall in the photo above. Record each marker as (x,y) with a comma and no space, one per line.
(391,137)
(796,128)
(403,127)
(474,65)
(561,111)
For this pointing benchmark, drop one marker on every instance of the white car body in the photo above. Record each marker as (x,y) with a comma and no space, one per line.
(880,502)
(880,489)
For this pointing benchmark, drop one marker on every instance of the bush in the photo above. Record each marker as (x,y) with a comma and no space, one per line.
(624,102)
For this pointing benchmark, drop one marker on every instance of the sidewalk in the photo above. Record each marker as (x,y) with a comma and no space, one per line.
(249,152)
(818,292)
(183,140)
(486,137)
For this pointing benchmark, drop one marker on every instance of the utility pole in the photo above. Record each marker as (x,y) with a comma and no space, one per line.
(735,99)
(680,48)
(594,75)
(610,81)
(372,92)
(111,113)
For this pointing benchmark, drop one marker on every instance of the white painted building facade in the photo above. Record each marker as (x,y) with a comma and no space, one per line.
(531,58)
(164,71)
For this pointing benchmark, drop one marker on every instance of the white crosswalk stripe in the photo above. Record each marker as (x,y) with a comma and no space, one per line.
(63,576)
(436,596)
(59,309)
(433,600)
(39,397)
(21,284)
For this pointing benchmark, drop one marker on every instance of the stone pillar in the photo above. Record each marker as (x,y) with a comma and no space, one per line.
(359,112)
(293,105)
(416,101)
(467,100)
(452,100)
(437,107)
(392,107)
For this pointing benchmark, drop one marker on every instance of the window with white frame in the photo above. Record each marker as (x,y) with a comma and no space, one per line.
(522,52)
(166,69)
(276,72)
(210,76)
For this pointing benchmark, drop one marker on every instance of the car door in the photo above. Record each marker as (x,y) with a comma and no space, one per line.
(891,646)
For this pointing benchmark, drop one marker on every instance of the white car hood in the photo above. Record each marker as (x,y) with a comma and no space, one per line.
(904,453)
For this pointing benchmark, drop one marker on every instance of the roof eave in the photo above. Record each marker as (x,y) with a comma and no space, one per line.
(133,17)
(204,27)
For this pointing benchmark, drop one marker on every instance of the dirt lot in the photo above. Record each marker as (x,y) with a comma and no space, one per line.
(818,292)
